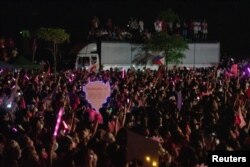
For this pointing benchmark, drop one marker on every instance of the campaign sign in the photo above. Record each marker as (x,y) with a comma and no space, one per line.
(97,93)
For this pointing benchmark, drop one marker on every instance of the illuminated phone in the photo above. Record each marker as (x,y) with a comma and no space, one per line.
(110,110)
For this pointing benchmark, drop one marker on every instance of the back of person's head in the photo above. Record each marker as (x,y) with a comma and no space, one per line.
(121,137)
(12,151)
(25,141)
(2,139)
(109,137)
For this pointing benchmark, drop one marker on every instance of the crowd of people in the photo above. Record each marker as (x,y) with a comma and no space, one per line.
(188,111)
(136,31)
(8,51)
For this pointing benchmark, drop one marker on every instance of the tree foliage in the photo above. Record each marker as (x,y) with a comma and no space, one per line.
(173,45)
(55,36)
(169,16)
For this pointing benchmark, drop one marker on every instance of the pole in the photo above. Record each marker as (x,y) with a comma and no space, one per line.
(131,56)
(194,53)
(54,52)
(33,50)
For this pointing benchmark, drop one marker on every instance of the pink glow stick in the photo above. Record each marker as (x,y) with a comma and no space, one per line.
(27,77)
(58,122)
(65,125)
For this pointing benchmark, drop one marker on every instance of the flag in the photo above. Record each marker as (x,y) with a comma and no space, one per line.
(158,60)
(179,100)
(93,68)
(123,72)
(22,104)
(239,119)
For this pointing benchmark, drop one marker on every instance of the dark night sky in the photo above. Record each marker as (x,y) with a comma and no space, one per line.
(228,21)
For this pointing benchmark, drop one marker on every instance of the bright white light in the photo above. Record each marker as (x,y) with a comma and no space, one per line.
(9,105)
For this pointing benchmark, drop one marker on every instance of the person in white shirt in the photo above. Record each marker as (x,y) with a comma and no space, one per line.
(158,25)
(171,26)
(14,53)
(141,26)
(204,29)
(196,30)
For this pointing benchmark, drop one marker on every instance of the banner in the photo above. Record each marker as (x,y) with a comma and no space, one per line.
(97,93)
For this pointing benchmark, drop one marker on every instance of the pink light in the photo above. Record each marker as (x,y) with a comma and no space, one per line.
(14,129)
(27,77)
(65,125)
(59,119)
(69,79)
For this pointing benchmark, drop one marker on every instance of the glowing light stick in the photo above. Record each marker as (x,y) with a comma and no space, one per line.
(27,77)
(65,125)
(58,122)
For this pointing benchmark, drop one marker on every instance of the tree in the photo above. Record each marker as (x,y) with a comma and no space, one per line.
(173,45)
(169,15)
(55,36)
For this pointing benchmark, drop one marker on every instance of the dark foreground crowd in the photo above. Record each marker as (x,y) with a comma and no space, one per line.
(188,111)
